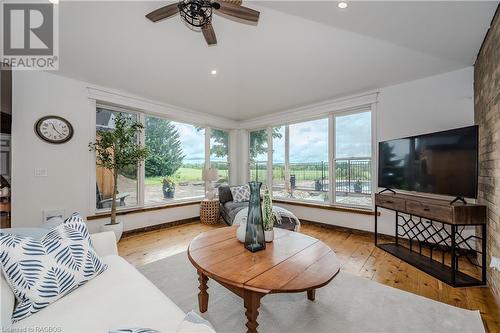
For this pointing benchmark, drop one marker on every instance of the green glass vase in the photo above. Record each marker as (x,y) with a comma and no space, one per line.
(254,237)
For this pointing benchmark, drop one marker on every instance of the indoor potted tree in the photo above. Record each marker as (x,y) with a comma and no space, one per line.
(115,150)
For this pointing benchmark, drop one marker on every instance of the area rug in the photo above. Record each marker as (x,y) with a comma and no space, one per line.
(348,304)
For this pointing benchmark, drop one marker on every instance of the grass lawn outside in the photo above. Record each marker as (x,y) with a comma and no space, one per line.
(182,175)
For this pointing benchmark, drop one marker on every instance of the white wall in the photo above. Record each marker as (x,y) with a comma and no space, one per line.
(431,104)
(427,105)
(37,94)
(70,166)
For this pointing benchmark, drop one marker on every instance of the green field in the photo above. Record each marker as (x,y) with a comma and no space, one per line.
(182,175)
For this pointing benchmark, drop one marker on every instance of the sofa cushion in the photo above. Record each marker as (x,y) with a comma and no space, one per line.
(120,297)
(240,193)
(225,194)
(40,271)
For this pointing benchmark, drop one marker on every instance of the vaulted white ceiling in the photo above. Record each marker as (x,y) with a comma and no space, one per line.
(300,52)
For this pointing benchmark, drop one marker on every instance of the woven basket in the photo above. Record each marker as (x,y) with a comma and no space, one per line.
(209,211)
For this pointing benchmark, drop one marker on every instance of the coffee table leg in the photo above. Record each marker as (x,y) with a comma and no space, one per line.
(252,304)
(311,294)
(202,295)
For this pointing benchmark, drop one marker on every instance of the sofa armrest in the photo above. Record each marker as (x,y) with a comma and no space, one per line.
(104,243)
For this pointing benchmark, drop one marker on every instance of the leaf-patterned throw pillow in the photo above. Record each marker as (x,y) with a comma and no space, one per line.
(240,193)
(42,271)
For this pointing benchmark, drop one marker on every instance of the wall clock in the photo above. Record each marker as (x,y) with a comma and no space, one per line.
(54,129)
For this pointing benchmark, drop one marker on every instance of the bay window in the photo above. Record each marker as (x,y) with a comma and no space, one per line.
(325,160)
(178,153)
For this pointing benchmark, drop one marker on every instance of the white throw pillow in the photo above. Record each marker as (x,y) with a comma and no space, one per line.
(240,193)
(194,323)
(40,271)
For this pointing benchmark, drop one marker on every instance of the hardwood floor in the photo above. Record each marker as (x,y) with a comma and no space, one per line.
(355,250)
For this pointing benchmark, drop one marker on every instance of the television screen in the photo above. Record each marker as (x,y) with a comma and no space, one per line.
(440,163)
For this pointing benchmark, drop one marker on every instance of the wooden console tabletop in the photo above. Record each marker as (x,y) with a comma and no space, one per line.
(292,263)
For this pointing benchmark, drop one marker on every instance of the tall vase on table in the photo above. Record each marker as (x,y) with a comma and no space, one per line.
(254,237)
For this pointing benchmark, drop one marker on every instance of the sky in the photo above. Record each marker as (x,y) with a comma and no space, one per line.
(308,140)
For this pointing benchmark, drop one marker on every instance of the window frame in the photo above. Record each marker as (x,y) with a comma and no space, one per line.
(331,116)
(141,117)
(269,151)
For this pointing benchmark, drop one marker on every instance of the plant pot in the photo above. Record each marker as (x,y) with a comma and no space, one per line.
(168,191)
(117,228)
(269,235)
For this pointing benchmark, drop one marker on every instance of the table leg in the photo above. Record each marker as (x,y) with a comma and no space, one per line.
(202,295)
(252,304)
(311,294)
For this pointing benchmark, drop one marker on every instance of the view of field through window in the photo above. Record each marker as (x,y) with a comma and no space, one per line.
(300,159)
(173,168)
(176,159)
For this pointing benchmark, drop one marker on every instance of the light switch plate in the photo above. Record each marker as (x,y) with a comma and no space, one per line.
(41,172)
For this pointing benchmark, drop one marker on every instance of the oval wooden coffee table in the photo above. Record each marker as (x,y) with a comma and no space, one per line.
(292,263)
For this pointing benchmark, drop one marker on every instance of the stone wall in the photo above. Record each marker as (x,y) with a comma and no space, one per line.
(487,116)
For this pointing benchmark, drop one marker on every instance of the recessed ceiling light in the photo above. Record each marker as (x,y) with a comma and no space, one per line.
(213,72)
(55,2)
(342,5)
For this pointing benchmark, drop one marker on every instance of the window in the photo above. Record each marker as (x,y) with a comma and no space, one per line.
(353,164)
(173,169)
(300,167)
(258,155)
(219,154)
(127,178)
(175,162)
(302,156)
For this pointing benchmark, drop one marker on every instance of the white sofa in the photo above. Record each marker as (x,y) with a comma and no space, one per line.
(120,297)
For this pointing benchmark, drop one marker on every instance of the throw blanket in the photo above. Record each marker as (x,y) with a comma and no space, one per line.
(278,212)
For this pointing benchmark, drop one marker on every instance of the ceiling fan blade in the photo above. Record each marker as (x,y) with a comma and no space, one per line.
(238,11)
(163,12)
(209,34)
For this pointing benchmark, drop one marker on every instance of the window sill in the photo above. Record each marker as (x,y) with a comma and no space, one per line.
(136,210)
(362,211)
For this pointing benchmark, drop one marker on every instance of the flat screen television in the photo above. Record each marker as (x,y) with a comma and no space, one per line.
(441,163)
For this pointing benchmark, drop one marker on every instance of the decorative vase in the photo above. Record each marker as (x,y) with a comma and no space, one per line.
(269,235)
(117,228)
(254,237)
(241,231)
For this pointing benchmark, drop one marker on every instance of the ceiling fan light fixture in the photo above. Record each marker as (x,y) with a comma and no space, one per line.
(196,13)
(342,5)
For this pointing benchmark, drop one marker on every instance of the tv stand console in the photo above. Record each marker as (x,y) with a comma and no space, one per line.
(437,236)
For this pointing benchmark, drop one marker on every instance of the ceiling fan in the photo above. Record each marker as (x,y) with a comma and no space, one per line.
(198,14)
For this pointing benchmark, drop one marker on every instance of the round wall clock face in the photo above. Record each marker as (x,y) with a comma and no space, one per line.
(54,129)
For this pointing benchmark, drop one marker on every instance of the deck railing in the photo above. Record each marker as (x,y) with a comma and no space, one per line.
(352,175)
